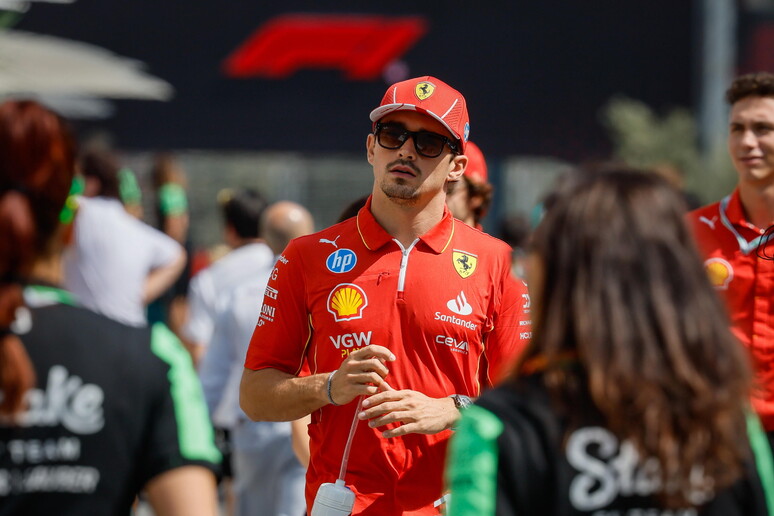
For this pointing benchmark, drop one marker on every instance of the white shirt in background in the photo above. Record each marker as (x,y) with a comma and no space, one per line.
(112,254)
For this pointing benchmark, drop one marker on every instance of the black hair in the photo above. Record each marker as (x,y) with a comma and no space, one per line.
(242,210)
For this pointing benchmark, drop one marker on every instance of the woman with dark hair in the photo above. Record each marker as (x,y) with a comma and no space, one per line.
(632,397)
(106,418)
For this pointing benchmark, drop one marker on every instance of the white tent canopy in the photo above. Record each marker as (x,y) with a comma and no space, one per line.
(46,65)
(24,5)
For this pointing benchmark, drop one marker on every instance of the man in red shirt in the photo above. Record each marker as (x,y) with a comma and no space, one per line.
(730,233)
(402,308)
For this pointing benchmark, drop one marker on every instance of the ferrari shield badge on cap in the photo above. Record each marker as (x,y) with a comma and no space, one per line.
(464,263)
(424,89)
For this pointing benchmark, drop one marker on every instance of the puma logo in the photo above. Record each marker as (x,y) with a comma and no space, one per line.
(709,222)
(332,242)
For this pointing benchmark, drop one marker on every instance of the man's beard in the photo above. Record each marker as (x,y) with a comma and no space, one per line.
(397,189)
(399,192)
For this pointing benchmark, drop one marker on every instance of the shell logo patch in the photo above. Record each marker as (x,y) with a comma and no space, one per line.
(719,272)
(464,263)
(424,89)
(346,302)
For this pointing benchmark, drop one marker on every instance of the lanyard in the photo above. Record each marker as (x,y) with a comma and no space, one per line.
(744,246)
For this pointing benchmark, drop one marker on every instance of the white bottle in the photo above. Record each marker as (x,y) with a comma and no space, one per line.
(333,500)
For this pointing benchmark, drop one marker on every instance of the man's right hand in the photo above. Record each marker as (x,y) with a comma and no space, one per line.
(362,372)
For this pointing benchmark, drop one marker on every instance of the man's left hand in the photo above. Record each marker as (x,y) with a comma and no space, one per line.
(415,412)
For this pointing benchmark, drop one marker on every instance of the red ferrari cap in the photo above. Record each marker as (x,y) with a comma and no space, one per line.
(476,170)
(432,97)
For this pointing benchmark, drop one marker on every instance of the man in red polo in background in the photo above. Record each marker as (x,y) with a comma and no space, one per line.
(730,233)
(403,308)
(469,198)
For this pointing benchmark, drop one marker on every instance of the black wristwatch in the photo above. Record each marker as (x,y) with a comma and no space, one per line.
(461,401)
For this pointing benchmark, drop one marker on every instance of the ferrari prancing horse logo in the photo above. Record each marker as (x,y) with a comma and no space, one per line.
(424,89)
(464,263)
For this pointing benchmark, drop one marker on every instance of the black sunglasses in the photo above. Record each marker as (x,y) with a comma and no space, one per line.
(427,144)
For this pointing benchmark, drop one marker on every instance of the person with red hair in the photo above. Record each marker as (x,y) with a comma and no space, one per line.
(35,178)
(105,420)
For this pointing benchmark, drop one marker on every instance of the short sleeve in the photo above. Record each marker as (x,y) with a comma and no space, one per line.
(180,432)
(512,330)
(162,249)
(282,331)
(172,200)
(472,465)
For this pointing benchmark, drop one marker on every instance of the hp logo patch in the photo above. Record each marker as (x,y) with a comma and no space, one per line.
(341,260)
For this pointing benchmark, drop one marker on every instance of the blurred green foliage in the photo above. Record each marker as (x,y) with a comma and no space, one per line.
(8,18)
(645,139)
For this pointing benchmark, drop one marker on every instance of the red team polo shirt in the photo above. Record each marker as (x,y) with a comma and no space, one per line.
(729,244)
(447,309)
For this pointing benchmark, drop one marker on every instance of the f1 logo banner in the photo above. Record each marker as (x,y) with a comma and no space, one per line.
(360,46)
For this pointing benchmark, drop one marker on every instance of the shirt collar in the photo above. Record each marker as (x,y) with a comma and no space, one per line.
(734,211)
(374,236)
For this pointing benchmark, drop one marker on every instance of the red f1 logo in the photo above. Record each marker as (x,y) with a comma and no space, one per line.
(360,46)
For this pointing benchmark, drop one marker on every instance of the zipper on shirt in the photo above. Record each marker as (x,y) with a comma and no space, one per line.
(403,265)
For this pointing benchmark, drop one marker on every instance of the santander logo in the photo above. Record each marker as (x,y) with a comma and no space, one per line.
(460,305)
